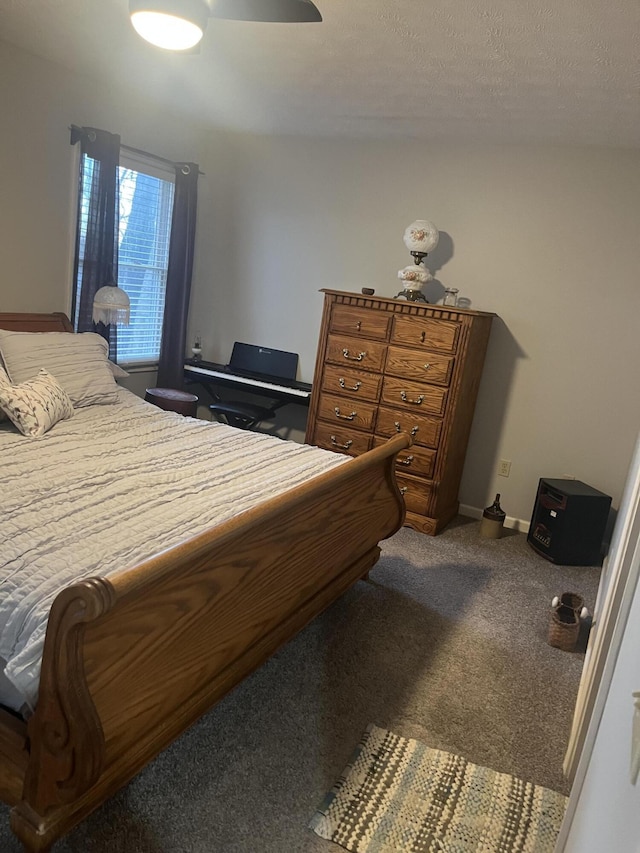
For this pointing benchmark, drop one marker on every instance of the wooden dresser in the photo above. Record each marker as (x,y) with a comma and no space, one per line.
(389,365)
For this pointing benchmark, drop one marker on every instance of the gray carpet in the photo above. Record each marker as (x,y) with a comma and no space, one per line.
(446,643)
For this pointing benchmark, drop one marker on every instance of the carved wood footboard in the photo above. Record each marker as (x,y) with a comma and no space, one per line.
(132,661)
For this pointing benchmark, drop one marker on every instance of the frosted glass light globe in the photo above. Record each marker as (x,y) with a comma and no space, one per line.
(111,305)
(421,236)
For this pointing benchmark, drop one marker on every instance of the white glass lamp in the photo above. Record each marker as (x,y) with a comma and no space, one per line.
(196,349)
(420,238)
(111,305)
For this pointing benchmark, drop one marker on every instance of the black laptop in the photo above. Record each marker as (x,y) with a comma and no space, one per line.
(257,362)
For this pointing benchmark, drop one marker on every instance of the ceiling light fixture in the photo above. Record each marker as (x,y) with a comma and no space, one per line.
(171,24)
(180,24)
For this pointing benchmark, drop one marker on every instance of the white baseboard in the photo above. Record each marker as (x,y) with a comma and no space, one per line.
(518,524)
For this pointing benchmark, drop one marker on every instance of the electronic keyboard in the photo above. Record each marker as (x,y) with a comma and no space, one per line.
(296,392)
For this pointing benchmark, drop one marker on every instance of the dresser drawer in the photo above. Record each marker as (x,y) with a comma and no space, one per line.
(428,332)
(352,383)
(357,413)
(348,320)
(350,351)
(417,396)
(423,429)
(416,493)
(341,439)
(426,366)
(415,460)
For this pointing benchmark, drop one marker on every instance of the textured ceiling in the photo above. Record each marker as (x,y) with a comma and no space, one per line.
(488,70)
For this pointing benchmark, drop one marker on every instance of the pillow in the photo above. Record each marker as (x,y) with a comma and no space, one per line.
(117,371)
(78,362)
(35,406)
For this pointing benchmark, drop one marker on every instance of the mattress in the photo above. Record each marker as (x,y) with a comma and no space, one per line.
(108,488)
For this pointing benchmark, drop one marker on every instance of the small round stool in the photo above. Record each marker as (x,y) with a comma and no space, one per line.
(172,400)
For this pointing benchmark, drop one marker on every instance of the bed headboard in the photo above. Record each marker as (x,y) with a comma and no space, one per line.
(56,322)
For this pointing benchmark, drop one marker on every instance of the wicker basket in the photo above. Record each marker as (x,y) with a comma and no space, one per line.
(572,600)
(564,627)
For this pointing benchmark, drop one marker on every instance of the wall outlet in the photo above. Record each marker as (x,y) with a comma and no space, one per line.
(568,476)
(504,468)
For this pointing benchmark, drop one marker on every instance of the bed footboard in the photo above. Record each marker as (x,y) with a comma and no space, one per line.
(13,757)
(132,661)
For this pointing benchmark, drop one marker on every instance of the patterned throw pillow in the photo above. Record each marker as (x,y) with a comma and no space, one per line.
(36,405)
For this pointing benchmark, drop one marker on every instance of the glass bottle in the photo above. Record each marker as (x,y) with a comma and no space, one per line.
(492,520)
(450,296)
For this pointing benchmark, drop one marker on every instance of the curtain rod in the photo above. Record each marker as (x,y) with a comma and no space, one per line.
(153,156)
(140,151)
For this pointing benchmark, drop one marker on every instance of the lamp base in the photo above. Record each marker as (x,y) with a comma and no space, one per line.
(412,296)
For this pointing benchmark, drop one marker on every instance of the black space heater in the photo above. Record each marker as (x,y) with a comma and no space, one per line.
(568,522)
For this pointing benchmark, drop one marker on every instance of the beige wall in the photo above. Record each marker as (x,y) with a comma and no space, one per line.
(544,237)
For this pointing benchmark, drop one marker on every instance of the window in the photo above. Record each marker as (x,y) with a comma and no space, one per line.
(146,204)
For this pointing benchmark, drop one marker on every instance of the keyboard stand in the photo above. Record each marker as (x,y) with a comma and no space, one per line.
(243,415)
(214,377)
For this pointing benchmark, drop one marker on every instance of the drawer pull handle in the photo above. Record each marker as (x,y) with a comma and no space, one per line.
(426,366)
(422,337)
(403,489)
(343,384)
(414,429)
(417,401)
(406,461)
(345,353)
(345,417)
(344,446)
(358,325)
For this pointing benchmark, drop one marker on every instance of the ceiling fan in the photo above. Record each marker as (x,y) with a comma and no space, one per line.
(180,24)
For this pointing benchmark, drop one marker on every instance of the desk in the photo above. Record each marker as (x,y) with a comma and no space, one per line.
(209,374)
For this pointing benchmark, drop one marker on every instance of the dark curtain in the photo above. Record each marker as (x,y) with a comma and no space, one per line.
(180,267)
(100,258)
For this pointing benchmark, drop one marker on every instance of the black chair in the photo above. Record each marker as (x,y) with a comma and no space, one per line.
(242,415)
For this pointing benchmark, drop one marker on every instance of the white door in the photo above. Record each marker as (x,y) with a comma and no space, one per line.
(618,586)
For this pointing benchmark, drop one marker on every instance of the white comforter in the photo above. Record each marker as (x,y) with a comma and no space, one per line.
(110,487)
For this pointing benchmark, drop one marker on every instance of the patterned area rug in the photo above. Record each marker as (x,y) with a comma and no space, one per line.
(398,795)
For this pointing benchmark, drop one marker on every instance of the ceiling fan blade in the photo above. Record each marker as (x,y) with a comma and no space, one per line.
(276,11)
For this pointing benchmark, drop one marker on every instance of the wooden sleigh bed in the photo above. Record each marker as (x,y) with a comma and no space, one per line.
(131,661)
